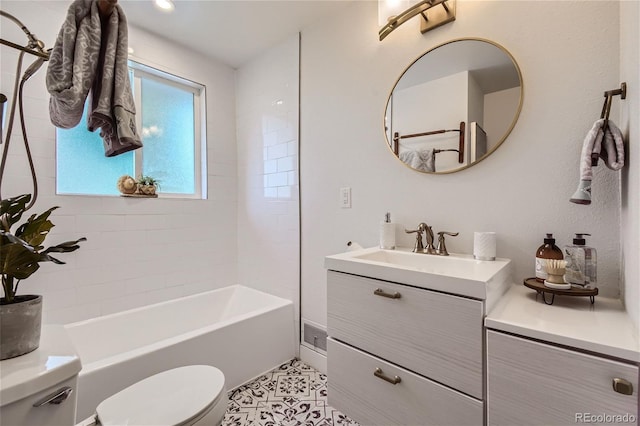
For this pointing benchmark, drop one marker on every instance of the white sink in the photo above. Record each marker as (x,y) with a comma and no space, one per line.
(457,273)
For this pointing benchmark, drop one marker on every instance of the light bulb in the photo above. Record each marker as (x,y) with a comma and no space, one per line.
(166,5)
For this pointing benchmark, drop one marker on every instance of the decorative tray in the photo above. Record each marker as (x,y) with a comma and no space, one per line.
(540,288)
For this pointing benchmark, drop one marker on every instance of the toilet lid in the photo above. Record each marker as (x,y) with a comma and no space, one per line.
(168,398)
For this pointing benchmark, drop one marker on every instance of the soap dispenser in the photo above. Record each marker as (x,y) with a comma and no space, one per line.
(581,263)
(548,250)
(387,233)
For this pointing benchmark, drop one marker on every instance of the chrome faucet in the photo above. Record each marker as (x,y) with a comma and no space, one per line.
(442,248)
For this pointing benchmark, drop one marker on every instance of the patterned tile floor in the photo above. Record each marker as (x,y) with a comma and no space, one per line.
(290,395)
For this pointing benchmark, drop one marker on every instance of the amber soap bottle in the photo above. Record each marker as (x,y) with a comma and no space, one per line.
(548,250)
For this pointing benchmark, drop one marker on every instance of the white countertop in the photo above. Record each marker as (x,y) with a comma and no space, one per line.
(53,362)
(458,274)
(604,327)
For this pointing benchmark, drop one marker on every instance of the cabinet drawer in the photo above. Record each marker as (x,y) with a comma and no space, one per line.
(356,391)
(433,334)
(532,383)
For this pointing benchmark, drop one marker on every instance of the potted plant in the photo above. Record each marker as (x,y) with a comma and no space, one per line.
(147,185)
(21,252)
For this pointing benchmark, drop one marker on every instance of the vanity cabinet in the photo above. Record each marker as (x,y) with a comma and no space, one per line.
(536,383)
(402,355)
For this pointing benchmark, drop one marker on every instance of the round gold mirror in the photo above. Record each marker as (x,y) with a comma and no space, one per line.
(453,106)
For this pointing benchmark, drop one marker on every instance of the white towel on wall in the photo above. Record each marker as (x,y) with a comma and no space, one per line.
(421,160)
(609,146)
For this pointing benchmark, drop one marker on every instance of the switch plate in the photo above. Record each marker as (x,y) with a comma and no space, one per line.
(345,197)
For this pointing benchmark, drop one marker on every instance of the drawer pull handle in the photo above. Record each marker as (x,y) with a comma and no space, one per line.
(381,292)
(380,374)
(623,386)
(56,397)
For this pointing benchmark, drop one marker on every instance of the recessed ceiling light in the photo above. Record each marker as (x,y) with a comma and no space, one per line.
(165,5)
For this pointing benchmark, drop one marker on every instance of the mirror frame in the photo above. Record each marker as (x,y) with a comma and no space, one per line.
(502,139)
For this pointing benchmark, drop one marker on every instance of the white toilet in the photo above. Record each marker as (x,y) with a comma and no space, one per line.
(191,395)
(39,388)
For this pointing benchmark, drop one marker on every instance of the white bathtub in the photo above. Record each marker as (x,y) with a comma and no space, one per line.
(243,332)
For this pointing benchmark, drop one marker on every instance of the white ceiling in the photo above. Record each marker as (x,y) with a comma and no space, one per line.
(491,67)
(233,31)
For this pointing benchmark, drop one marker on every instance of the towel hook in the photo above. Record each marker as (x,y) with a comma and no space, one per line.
(609,94)
(606,109)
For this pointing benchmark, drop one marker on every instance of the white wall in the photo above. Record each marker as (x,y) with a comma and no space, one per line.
(268,213)
(139,251)
(521,191)
(498,113)
(630,126)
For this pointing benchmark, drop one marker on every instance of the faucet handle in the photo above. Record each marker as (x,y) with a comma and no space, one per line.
(442,248)
(418,247)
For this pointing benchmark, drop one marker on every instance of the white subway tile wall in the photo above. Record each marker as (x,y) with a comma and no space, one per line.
(267,132)
(139,251)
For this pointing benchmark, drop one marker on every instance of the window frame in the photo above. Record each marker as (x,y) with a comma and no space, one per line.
(139,71)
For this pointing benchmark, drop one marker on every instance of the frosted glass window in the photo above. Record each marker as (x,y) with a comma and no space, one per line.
(170,117)
(169,137)
(82,166)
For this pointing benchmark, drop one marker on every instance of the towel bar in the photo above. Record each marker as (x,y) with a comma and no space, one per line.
(397,136)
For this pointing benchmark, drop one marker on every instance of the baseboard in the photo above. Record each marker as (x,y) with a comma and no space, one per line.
(314,359)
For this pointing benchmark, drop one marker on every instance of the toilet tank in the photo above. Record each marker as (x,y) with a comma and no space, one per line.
(40,388)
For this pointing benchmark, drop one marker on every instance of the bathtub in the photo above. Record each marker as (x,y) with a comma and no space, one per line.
(241,331)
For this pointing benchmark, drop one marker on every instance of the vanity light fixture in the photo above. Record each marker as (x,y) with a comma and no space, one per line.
(165,5)
(393,13)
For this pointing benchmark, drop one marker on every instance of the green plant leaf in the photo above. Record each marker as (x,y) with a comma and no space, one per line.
(66,247)
(11,210)
(22,251)
(18,261)
(35,229)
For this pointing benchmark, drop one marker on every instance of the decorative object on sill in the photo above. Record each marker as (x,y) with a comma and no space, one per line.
(21,252)
(435,13)
(541,289)
(147,186)
(127,185)
(605,141)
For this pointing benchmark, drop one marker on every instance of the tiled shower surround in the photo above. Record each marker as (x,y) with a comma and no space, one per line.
(292,394)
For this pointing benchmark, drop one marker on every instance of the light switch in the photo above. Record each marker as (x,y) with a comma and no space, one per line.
(345,197)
